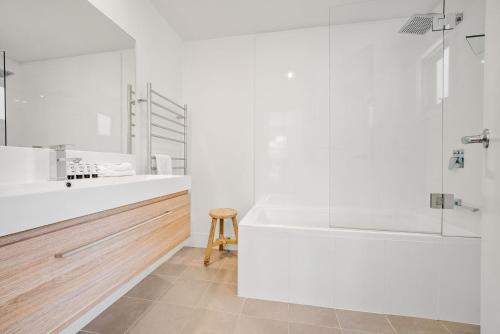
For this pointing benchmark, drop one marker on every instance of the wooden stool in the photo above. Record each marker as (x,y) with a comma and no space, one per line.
(220,214)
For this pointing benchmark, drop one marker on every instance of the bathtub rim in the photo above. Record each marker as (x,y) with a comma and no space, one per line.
(249,221)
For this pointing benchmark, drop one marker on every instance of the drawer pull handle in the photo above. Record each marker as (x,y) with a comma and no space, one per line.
(108,237)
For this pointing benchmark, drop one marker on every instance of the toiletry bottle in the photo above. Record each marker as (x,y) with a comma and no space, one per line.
(95,171)
(80,170)
(70,170)
(87,172)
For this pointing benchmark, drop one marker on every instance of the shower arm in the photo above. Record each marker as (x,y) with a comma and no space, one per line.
(483,138)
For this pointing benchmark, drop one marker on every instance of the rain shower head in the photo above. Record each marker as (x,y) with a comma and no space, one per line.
(420,24)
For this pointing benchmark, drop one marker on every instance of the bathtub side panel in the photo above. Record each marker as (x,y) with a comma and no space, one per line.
(412,277)
(312,267)
(263,263)
(460,280)
(390,273)
(359,274)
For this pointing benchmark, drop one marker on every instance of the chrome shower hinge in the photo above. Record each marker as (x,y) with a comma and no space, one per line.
(442,201)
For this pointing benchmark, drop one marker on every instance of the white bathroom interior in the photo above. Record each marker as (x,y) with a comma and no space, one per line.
(353,141)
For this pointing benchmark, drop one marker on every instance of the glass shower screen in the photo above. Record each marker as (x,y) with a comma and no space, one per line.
(386,119)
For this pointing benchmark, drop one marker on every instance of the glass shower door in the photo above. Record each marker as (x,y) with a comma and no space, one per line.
(386,122)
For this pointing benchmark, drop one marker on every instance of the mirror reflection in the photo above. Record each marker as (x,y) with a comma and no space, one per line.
(67,68)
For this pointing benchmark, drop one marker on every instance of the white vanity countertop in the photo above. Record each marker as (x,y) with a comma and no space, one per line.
(29,205)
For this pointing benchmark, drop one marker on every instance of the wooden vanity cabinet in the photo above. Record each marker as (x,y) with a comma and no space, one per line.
(52,275)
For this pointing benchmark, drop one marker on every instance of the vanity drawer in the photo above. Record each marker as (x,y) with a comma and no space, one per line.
(49,280)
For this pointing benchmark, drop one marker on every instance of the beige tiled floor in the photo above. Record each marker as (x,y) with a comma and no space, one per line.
(183,296)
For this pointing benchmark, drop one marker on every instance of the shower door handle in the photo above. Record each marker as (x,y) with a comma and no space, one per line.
(483,138)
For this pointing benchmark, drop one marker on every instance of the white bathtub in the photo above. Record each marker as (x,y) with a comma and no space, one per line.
(414,274)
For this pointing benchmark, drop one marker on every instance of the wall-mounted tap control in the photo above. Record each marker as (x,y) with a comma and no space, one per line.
(456,160)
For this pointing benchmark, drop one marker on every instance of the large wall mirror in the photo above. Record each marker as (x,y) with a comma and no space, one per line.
(64,72)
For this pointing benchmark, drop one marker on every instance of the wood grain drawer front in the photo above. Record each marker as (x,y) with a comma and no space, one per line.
(41,293)
(20,260)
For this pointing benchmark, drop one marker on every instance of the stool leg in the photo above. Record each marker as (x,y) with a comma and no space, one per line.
(235,226)
(210,243)
(221,233)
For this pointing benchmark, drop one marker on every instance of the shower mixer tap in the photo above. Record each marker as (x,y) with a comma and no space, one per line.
(456,160)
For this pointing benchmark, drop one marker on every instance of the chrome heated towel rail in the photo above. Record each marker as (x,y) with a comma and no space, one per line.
(167,121)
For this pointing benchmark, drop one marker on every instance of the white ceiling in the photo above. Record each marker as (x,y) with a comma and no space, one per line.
(43,29)
(204,19)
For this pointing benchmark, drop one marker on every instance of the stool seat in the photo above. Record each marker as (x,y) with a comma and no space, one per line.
(223,213)
(220,214)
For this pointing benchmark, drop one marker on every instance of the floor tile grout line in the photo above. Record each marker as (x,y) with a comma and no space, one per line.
(288,315)
(264,318)
(445,327)
(239,316)
(195,307)
(315,325)
(221,268)
(186,323)
(218,311)
(338,320)
(391,324)
(129,328)
(203,295)
(152,302)
(138,298)
(288,320)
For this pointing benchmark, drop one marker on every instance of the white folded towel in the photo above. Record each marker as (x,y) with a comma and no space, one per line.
(116,169)
(163,164)
(111,173)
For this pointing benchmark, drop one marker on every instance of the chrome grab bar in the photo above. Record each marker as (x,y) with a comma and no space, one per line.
(108,237)
(483,138)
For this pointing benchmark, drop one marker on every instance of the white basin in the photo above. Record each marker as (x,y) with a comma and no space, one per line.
(29,205)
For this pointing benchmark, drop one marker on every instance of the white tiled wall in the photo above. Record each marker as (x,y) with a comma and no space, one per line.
(218,88)
(374,150)
(291,118)
(395,273)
